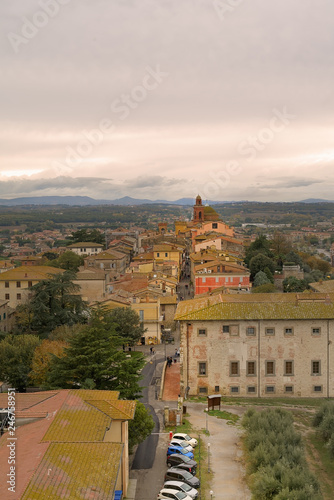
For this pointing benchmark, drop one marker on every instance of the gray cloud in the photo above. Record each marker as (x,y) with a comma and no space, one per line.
(146,181)
(289,183)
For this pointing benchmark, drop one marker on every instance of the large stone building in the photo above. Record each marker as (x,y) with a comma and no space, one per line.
(258,345)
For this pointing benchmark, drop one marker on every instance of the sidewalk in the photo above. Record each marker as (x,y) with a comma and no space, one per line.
(172,383)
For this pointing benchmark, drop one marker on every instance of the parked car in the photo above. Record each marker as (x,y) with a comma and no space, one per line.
(186,438)
(178,449)
(182,462)
(181,486)
(184,444)
(177,474)
(174,494)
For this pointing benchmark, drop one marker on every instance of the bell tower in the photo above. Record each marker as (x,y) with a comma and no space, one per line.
(198,215)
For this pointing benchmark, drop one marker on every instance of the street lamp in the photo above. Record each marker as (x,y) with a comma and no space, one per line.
(211,494)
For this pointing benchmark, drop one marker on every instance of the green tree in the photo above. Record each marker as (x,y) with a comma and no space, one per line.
(260,246)
(16,354)
(128,325)
(68,260)
(92,235)
(94,359)
(260,279)
(259,263)
(292,284)
(55,302)
(141,426)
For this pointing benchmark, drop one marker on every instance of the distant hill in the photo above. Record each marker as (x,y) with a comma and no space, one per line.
(315,200)
(86,201)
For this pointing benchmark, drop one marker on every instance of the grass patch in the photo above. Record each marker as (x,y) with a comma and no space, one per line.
(230,417)
(185,427)
(322,464)
(201,457)
(305,402)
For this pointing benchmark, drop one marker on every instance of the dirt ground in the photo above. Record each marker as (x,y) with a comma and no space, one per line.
(226,466)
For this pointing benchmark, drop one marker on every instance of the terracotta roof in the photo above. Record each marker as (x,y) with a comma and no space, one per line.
(30,273)
(90,274)
(85,244)
(107,255)
(168,299)
(58,475)
(76,422)
(258,306)
(323,287)
(118,410)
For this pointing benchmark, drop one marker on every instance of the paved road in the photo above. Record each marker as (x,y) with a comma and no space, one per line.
(145,454)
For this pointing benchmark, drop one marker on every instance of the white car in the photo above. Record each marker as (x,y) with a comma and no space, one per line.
(166,493)
(180,486)
(180,442)
(184,437)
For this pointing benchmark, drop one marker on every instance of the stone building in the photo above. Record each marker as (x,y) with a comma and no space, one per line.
(258,345)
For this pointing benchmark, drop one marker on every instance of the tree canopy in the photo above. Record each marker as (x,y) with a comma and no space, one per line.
(55,302)
(16,354)
(93,235)
(67,260)
(94,359)
(127,324)
(141,426)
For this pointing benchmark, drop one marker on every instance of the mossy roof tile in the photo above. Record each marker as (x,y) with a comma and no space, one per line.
(59,477)
(277,306)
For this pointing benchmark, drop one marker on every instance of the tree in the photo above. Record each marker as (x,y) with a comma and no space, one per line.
(260,279)
(280,246)
(94,359)
(260,246)
(55,302)
(292,284)
(41,361)
(16,353)
(68,260)
(128,325)
(92,235)
(141,426)
(259,263)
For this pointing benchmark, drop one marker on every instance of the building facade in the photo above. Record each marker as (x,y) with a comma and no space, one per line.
(264,345)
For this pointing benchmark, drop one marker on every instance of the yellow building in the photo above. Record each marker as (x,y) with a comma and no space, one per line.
(15,284)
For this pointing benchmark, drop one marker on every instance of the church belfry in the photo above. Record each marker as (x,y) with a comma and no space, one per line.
(198,215)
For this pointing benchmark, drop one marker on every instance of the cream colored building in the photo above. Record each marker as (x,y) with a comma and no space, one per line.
(15,284)
(85,248)
(258,345)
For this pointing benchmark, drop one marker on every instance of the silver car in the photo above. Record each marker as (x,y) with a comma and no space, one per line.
(180,486)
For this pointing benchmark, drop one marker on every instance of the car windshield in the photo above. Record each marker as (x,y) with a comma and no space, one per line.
(187,438)
(180,495)
(187,475)
(185,458)
(186,487)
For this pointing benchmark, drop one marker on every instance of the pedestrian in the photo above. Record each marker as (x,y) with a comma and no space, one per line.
(175,353)
(151,350)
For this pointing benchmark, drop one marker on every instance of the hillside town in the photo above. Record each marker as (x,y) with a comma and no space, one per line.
(249,316)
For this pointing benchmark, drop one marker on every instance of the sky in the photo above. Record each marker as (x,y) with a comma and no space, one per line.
(164,99)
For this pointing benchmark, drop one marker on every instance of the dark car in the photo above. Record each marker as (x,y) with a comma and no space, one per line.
(177,474)
(182,462)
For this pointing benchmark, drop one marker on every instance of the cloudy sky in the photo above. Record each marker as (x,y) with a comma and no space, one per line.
(164,99)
